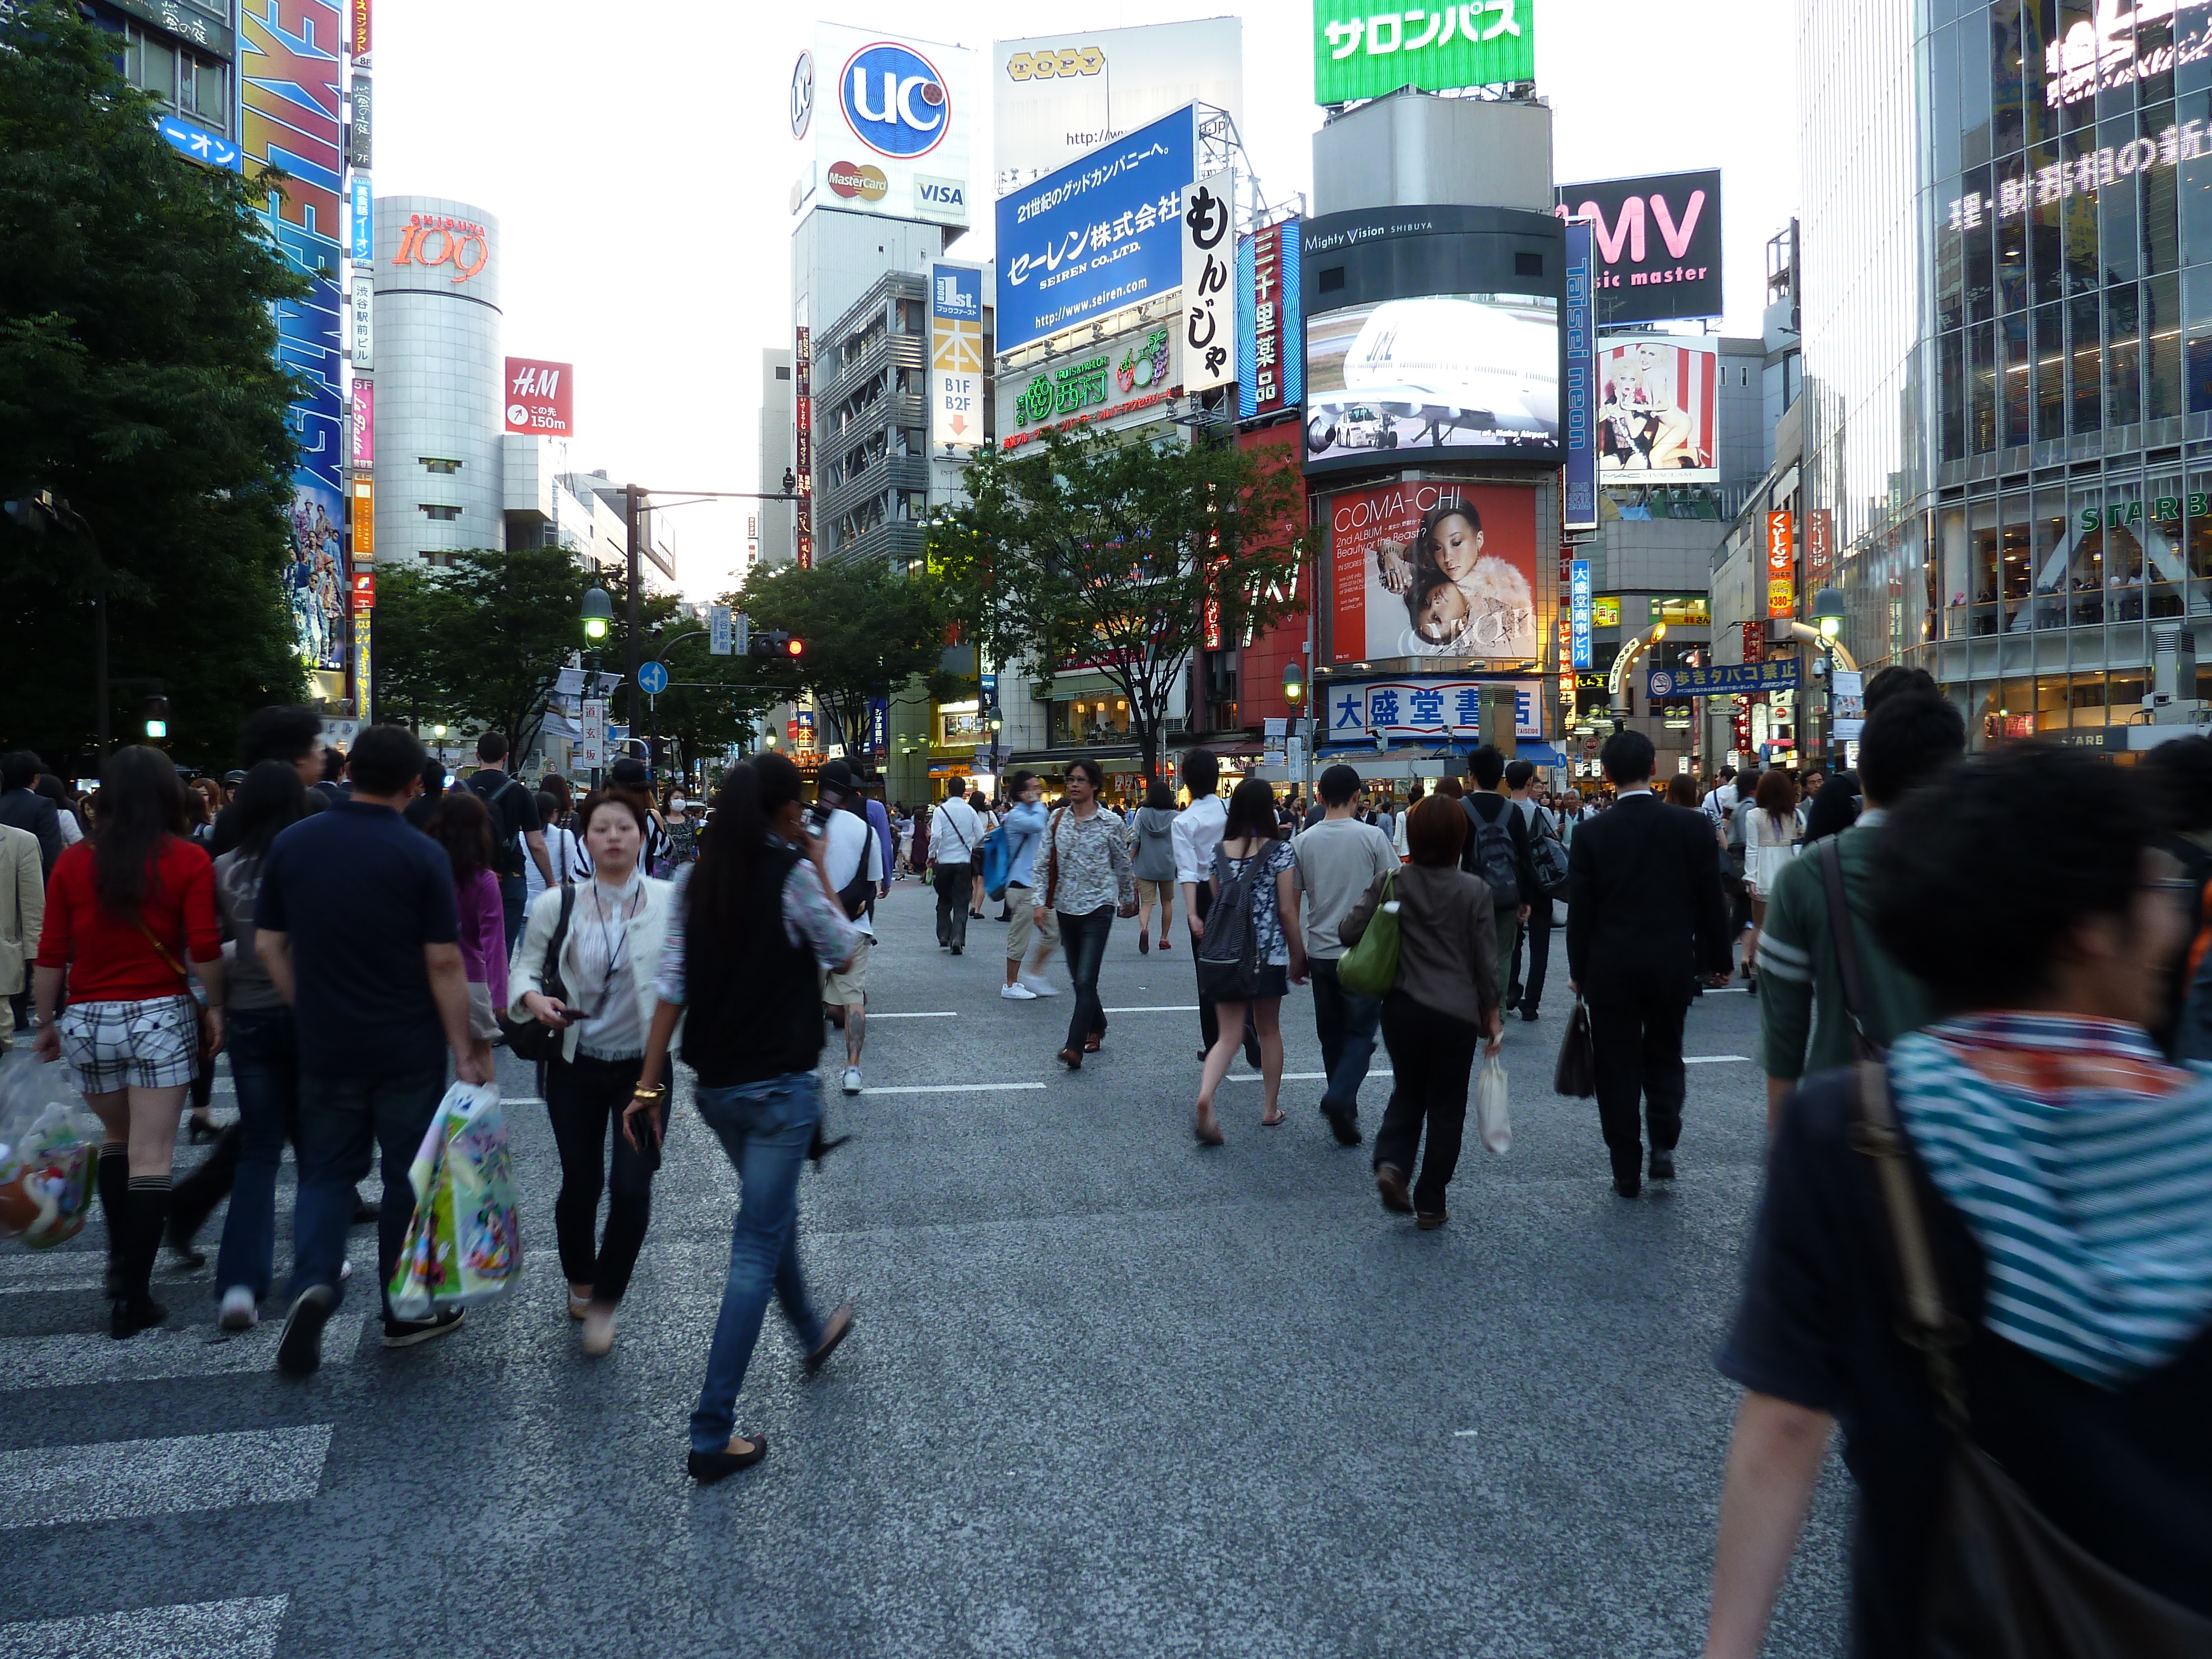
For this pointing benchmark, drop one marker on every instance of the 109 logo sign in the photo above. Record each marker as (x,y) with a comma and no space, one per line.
(894,99)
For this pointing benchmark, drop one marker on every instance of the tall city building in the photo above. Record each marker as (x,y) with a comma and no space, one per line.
(2007,349)
(440,485)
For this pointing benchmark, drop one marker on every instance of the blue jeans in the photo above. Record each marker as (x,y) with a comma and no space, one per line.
(512,891)
(765,1127)
(1345,1021)
(265,1065)
(342,1119)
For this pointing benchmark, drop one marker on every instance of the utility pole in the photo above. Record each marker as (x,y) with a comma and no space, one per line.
(632,512)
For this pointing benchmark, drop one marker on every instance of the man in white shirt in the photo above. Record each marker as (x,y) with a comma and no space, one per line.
(1338,860)
(1197,833)
(956,833)
(853,865)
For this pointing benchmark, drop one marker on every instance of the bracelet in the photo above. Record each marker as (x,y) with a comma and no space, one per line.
(640,1092)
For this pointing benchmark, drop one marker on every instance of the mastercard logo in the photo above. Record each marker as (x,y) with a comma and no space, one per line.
(868,183)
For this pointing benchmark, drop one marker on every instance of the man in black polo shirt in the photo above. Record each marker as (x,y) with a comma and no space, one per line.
(357,925)
(514,827)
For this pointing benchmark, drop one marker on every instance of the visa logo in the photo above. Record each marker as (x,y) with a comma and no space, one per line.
(942,195)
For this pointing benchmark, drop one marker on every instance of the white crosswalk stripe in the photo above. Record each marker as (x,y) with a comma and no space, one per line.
(77,1357)
(243,1629)
(124,1479)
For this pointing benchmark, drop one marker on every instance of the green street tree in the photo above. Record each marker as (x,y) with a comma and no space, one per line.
(143,437)
(1112,555)
(479,640)
(869,631)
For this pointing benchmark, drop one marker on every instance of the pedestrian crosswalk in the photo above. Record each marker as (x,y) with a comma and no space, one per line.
(243,1629)
(93,1460)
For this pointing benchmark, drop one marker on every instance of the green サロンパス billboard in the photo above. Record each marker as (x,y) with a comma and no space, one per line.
(1361,51)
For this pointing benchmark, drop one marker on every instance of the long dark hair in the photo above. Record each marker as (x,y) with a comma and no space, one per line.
(271,800)
(141,805)
(463,828)
(1251,811)
(753,792)
(1157,794)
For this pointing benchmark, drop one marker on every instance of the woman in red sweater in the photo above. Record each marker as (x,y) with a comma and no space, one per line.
(125,910)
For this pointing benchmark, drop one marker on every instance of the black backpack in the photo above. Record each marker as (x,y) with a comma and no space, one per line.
(857,896)
(1549,855)
(1228,950)
(1489,853)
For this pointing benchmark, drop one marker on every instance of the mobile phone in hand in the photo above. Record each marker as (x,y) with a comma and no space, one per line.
(649,1138)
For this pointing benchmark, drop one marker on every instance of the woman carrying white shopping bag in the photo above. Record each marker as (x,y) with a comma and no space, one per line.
(1444,1002)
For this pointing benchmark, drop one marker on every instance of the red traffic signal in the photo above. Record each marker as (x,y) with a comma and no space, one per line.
(797,647)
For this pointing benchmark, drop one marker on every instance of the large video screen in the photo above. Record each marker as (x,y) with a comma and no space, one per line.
(1450,371)
(1431,333)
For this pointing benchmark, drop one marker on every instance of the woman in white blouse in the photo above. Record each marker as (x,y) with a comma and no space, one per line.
(618,919)
(1773,825)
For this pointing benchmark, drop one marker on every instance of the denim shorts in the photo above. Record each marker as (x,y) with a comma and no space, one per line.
(154,1044)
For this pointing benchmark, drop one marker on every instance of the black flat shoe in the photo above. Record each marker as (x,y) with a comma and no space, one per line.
(838,1327)
(129,1316)
(707,1467)
(1627,1186)
(1343,1126)
(1662,1165)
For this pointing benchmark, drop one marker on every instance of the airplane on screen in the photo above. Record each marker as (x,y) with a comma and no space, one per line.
(1453,364)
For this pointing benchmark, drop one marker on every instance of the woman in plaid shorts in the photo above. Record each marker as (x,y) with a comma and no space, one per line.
(123,911)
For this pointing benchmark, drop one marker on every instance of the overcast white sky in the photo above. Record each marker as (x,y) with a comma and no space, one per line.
(637,159)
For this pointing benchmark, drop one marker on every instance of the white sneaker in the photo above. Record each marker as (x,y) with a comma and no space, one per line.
(1018,993)
(852,1079)
(1040,986)
(239,1312)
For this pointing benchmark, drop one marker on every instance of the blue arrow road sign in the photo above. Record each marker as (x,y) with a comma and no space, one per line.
(652,678)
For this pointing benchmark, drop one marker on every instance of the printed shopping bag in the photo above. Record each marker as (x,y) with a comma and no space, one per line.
(463,1245)
(49,1151)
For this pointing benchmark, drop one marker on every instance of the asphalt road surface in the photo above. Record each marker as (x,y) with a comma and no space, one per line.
(1109,1393)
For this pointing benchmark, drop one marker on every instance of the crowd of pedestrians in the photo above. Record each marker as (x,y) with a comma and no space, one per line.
(1985,1245)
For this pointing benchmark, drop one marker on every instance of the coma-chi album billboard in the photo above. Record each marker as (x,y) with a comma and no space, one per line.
(1656,410)
(1433,570)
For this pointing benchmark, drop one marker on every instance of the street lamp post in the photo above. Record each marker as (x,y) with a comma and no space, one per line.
(1828,610)
(1294,692)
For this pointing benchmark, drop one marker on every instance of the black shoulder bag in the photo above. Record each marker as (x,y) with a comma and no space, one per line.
(532,1039)
(2003,1583)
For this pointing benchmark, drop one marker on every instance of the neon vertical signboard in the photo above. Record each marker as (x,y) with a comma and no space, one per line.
(802,447)
(1271,360)
(1781,567)
(1100,234)
(292,118)
(364,422)
(956,357)
(1578,396)
(1579,611)
(1361,51)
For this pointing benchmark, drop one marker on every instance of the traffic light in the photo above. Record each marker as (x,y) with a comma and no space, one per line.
(157,717)
(774,645)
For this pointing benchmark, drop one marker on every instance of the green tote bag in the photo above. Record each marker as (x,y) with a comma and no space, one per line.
(1370,968)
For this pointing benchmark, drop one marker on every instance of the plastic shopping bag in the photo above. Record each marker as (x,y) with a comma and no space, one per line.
(462,1245)
(1491,1120)
(49,1153)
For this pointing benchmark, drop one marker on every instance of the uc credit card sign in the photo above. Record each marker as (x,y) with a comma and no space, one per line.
(1103,233)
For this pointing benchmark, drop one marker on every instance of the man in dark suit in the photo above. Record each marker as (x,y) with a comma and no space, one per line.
(1644,918)
(21,807)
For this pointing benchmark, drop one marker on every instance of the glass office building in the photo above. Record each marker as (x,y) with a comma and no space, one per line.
(2008,337)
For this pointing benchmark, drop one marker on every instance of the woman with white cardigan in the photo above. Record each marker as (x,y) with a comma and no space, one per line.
(1773,825)
(618,919)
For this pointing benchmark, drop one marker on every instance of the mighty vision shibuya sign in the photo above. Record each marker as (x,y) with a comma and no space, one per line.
(1362,50)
